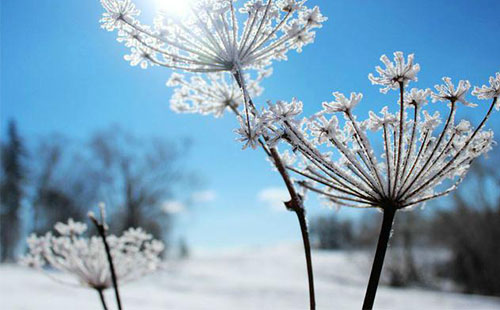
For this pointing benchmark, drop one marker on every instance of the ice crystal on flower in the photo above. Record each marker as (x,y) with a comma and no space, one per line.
(116,13)
(395,73)
(376,122)
(342,103)
(214,36)
(135,254)
(324,129)
(249,135)
(447,92)
(423,157)
(417,97)
(430,121)
(489,92)
(283,111)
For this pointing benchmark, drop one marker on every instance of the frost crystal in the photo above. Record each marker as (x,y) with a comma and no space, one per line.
(212,37)
(135,254)
(422,158)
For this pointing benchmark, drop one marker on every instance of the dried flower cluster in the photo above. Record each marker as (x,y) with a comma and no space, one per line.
(209,39)
(135,253)
(423,157)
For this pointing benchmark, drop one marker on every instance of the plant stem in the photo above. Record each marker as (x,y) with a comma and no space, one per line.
(295,204)
(307,251)
(378,262)
(102,233)
(103,301)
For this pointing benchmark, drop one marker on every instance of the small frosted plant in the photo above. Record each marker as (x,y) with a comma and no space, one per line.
(227,44)
(135,254)
(423,158)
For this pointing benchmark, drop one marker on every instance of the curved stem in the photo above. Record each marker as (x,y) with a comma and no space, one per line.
(102,232)
(103,300)
(378,261)
(295,204)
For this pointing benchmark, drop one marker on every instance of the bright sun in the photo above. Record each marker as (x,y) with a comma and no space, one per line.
(178,7)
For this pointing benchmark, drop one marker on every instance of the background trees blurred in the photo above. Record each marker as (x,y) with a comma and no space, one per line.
(471,230)
(56,178)
(13,176)
(138,176)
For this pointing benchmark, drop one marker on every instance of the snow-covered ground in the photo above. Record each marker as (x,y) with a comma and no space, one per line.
(244,279)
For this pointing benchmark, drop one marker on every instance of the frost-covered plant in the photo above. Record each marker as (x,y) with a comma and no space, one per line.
(135,254)
(225,41)
(211,93)
(209,38)
(421,160)
(215,36)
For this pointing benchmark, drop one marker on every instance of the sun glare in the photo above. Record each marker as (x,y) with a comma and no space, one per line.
(177,7)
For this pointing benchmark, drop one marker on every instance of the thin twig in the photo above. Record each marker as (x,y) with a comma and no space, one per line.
(102,232)
(103,300)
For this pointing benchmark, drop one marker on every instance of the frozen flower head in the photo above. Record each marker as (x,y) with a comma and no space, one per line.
(447,92)
(135,254)
(250,131)
(417,98)
(489,92)
(324,129)
(386,119)
(394,74)
(71,228)
(211,93)
(423,157)
(342,103)
(214,35)
(283,111)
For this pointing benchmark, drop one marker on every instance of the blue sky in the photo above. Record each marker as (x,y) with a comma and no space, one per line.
(61,73)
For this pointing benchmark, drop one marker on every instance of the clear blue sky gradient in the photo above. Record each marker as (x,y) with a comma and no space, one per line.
(61,73)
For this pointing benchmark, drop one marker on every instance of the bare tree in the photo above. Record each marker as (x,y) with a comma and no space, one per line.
(471,230)
(63,184)
(136,177)
(11,192)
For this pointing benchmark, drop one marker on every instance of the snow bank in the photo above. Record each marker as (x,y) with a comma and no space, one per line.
(245,279)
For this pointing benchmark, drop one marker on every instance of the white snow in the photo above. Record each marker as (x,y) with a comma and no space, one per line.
(260,278)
